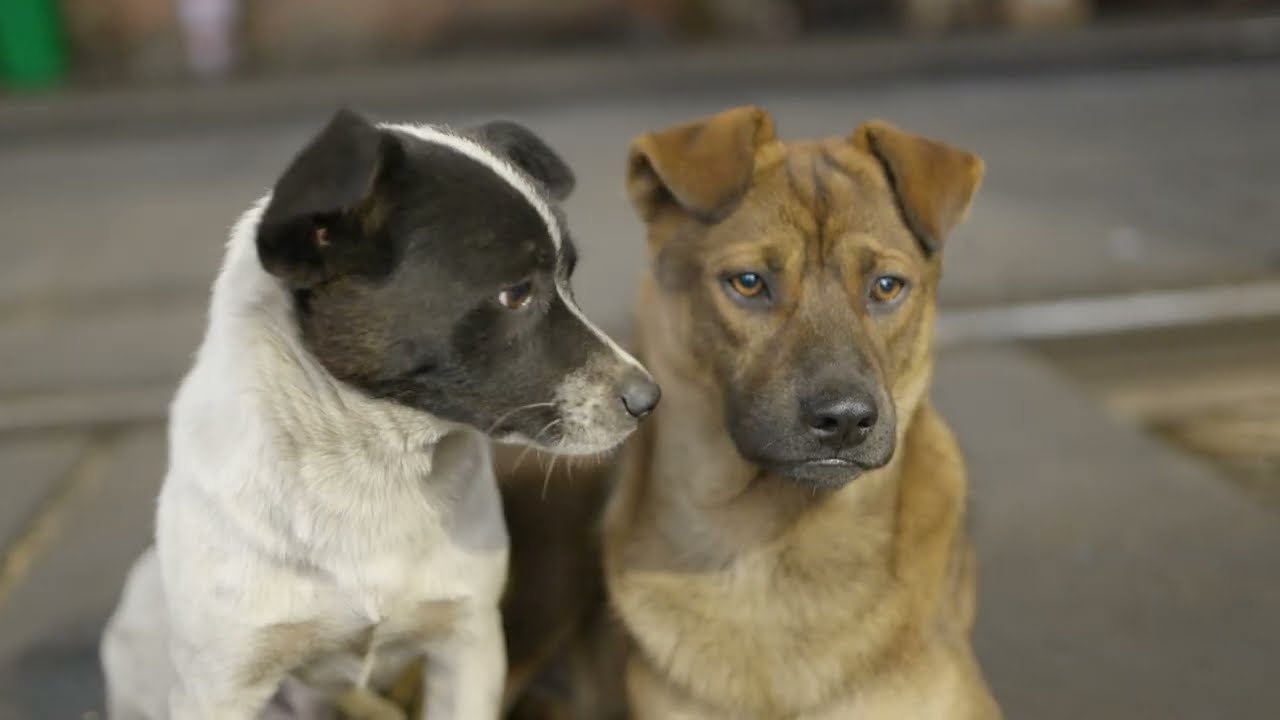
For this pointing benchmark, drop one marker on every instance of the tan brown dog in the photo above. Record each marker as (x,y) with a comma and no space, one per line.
(788,538)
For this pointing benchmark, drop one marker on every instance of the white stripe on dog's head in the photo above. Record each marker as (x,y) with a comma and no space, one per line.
(516,179)
(501,167)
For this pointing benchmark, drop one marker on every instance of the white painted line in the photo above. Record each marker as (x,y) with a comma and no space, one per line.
(1110,314)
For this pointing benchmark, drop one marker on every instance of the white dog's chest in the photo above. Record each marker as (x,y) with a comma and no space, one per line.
(367,560)
(386,607)
(387,624)
(391,590)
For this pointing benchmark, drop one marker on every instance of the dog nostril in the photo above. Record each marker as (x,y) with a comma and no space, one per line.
(640,396)
(825,424)
(845,420)
(865,417)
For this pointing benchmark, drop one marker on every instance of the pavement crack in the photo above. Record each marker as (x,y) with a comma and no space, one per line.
(47,523)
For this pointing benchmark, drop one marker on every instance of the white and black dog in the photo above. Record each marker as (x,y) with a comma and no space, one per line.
(330,511)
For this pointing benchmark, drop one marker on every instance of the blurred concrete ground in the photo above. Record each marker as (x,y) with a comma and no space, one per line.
(1121,579)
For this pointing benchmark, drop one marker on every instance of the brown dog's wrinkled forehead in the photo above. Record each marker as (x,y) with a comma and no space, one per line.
(823,190)
(703,170)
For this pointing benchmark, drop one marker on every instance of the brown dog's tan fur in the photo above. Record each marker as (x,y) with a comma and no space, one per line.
(747,595)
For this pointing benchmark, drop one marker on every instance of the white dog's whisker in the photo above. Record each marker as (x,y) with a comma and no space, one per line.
(507,415)
(530,447)
(546,479)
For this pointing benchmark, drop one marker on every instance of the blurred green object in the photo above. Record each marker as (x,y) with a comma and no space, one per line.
(32,53)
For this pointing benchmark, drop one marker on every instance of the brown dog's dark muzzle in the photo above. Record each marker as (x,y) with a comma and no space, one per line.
(840,420)
(825,433)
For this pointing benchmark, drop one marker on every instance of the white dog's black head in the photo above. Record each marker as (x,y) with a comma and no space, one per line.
(432,269)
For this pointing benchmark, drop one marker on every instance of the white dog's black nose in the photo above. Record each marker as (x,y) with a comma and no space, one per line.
(640,394)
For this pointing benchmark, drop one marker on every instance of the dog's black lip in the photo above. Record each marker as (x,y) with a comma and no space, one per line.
(833,462)
(829,472)
(830,462)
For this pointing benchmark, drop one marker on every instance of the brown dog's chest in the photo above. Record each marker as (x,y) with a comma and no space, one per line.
(858,597)
(779,630)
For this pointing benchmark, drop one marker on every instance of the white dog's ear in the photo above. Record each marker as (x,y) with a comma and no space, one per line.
(326,201)
(524,149)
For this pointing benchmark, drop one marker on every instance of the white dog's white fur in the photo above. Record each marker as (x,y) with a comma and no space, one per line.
(306,529)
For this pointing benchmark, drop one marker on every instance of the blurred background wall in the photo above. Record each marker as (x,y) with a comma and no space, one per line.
(49,42)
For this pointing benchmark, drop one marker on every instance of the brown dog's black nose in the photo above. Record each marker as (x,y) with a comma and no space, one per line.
(640,394)
(842,420)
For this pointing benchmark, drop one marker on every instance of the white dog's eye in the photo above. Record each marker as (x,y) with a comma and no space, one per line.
(516,296)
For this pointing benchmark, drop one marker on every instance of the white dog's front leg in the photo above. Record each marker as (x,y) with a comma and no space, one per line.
(221,701)
(217,679)
(465,670)
(243,703)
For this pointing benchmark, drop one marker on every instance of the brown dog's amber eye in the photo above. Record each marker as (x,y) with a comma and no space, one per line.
(887,288)
(748,284)
(516,296)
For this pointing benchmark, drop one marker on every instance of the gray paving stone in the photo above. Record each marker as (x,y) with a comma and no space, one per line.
(1119,578)
(49,626)
(30,465)
(118,346)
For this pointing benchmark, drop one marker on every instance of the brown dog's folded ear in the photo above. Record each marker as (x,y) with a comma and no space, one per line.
(703,167)
(934,182)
